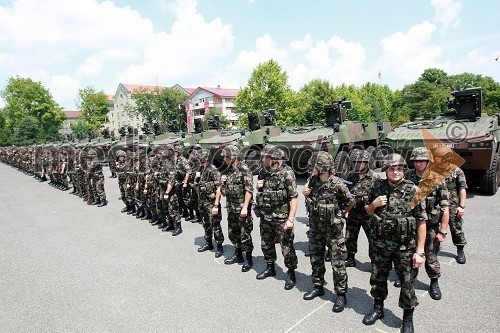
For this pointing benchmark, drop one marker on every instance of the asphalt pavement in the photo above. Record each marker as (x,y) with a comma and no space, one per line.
(69,267)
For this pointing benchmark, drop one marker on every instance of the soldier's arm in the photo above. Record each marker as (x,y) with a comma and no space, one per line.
(419,260)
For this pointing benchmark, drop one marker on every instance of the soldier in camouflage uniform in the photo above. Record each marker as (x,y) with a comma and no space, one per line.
(276,205)
(208,180)
(361,179)
(151,187)
(237,187)
(457,187)
(121,166)
(96,178)
(167,168)
(398,236)
(177,175)
(140,167)
(190,193)
(433,187)
(130,184)
(327,201)
(182,170)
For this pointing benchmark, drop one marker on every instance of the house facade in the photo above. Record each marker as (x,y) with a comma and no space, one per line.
(71,118)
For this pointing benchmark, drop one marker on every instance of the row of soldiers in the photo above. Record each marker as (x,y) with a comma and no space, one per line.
(62,166)
(405,216)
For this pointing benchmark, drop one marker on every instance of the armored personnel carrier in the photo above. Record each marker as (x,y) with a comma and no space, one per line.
(250,141)
(473,135)
(339,136)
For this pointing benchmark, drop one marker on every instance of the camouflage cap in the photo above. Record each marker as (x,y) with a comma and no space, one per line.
(322,161)
(153,161)
(230,151)
(420,154)
(194,155)
(121,153)
(267,150)
(178,148)
(204,155)
(392,160)
(92,152)
(361,155)
(278,154)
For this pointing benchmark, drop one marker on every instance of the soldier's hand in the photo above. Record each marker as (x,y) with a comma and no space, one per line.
(197,174)
(440,237)
(243,212)
(417,261)
(215,210)
(260,183)
(288,224)
(145,191)
(128,185)
(460,211)
(165,197)
(223,178)
(380,201)
(184,185)
(306,191)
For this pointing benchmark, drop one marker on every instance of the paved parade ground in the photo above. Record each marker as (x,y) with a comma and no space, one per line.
(69,267)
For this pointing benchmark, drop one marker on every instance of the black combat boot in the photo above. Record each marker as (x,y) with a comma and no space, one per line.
(96,201)
(434,290)
(269,271)
(328,256)
(126,208)
(290,279)
(460,255)
(141,213)
(191,216)
(249,262)
(158,221)
(178,229)
(237,258)
(154,218)
(147,215)
(397,283)
(184,212)
(132,210)
(377,313)
(208,246)
(407,322)
(74,191)
(315,292)
(349,261)
(162,223)
(220,250)
(170,225)
(340,303)
(103,203)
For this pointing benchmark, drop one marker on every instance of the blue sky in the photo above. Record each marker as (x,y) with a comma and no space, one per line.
(71,44)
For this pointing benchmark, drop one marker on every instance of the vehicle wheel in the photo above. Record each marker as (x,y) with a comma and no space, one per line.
(490,179)
(373,160)
(252,159)
(342,164)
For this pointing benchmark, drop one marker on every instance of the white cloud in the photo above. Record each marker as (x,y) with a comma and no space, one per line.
(405,55)
(447,12)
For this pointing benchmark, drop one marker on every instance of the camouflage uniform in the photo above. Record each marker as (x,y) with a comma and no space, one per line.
(273,207)
(324,204)
(96,178)
(208,182)
(181,169)
(239,182)
(394,234)
(455,182)
(174,188)
(190,193)
(361,183)
(121,167)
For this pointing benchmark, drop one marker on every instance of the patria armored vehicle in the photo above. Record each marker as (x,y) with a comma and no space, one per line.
(250,141)
(473,135)
(202,130)
(339,136)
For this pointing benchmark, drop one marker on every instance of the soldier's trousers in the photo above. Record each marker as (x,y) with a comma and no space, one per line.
(271,233)
(129,194)
(211,223)
(122,185)
(329,234)
(173,208)
(139,197)
(353,225)
(240,229)
(98,186)
(382,265)
(432,246)
(456,227)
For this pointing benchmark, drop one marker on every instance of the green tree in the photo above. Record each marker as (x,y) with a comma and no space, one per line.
(26,100)
(267,88)
(26,132)
(161,106)
(223,121)
(81,129)
(312,99)
(94,107)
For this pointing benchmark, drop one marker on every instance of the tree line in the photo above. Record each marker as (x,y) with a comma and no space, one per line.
(31,115)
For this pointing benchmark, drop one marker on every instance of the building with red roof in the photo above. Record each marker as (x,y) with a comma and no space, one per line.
(71,118)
